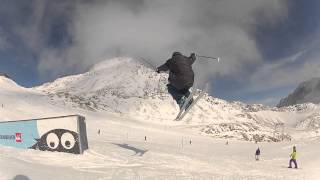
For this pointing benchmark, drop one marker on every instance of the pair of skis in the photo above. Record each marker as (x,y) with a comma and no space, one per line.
(183,111)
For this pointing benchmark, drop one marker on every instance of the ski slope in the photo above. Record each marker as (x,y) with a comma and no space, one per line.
(120,150)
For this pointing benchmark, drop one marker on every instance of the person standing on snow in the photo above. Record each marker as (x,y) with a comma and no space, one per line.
(181,76)
(293,156)
(257,154)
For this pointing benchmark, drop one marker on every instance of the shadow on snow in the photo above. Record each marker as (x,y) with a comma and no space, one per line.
(137,151)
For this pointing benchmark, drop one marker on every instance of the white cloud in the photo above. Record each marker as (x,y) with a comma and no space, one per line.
(284,73)
(155,28)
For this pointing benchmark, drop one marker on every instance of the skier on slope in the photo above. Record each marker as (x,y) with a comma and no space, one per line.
(293,156)
(181,76)
(257,154)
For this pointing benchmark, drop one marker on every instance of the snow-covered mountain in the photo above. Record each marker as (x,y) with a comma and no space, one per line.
(306,92)
(17,102)
(129,103)
(121,85)
(128,89)
(125,86)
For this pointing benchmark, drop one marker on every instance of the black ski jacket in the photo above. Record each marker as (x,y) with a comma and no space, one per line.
(181,75)
(258,151)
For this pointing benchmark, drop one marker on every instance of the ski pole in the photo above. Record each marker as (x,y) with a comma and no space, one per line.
(208,57)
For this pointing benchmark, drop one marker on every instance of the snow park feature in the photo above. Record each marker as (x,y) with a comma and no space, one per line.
(62,134)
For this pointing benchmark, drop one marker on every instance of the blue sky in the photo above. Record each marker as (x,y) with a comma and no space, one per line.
(266,47)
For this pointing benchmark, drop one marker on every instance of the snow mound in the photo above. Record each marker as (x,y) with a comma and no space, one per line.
(114,63)
(245,131)
(6,84)
(122,77)
(312,122)
(117,85)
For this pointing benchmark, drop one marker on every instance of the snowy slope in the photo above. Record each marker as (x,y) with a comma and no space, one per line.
(21,103)
(120,152)
(118,85)
(306,92)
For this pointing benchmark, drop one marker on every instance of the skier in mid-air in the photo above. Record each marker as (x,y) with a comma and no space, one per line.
(181,76)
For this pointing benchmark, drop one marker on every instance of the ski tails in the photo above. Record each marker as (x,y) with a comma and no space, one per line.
(181,116)
(183,113)
(186,102)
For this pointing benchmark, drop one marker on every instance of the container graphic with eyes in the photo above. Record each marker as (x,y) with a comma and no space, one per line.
(61,140)
(62,134)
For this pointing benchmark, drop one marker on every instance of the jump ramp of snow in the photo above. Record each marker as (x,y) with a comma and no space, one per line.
(61,134)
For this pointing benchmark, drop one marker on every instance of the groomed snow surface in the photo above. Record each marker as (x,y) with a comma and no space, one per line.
(172,150)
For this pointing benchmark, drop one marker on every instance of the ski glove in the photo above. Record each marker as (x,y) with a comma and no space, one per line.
(163,67)
(192,57)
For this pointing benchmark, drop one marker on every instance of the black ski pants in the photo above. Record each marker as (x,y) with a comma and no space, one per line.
(178,94)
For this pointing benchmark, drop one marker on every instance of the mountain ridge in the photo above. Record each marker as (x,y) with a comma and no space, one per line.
(306,92)
(125,86)
(128,89)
